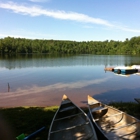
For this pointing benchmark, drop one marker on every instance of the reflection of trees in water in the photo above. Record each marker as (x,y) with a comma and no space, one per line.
(48,60)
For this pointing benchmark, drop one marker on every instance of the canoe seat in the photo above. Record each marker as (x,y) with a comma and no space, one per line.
(67,108)
(100,108)
(99,112)
(69,116)
(66,102)
(78,132)
(94,103)
(69,128)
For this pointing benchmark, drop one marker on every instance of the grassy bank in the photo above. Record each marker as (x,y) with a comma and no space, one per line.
(29,119)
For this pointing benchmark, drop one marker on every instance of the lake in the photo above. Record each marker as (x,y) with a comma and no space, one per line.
(41,80)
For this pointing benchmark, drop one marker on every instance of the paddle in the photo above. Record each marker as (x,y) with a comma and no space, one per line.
(23,137)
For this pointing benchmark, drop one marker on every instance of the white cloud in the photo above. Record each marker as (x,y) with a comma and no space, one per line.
(54,87)
(37,11)
(11,35)
(39,0)
(129,30)
(26,34)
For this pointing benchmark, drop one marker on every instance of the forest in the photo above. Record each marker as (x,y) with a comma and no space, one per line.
(11,45)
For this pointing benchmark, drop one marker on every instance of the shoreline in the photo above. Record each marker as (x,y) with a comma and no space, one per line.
(49,106)
(28,119)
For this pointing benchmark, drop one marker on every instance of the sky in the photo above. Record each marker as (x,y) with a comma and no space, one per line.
(75,20)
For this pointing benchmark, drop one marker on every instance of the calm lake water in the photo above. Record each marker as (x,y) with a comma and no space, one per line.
(41,80)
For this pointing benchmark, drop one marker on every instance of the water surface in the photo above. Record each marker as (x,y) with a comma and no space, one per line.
(41,80)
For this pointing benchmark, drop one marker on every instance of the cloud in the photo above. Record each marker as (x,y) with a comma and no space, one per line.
(39,0)
(129,30)
(57,14)
(58,86)
(26,34)
(11,35)
(37,11)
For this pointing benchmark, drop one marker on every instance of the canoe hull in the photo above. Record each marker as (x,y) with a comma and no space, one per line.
(71,123)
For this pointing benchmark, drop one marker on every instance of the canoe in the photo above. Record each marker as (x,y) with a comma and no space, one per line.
(71,123)
(111,123)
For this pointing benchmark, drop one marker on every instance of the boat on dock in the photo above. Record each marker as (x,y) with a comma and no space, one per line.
(123,69)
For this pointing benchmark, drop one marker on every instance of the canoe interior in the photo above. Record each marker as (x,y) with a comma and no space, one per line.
(113,123)
(71,123)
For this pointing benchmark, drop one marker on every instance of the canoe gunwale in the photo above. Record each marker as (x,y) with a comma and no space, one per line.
(68,108)
(128,126)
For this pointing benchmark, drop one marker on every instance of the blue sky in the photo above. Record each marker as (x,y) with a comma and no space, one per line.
(76,20)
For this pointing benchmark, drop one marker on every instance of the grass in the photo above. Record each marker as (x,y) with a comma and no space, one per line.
(29,119)
(130,108)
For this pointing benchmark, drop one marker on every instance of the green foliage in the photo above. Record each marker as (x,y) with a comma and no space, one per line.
(21,45)
(130,108)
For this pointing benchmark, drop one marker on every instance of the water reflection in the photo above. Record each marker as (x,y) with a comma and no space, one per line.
(47,60)
(41,80)
(122,95)
(35,89)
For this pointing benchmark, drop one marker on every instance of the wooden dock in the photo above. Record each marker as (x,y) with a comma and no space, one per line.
(109,69)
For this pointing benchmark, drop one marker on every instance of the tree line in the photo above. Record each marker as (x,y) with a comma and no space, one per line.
(12,45)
